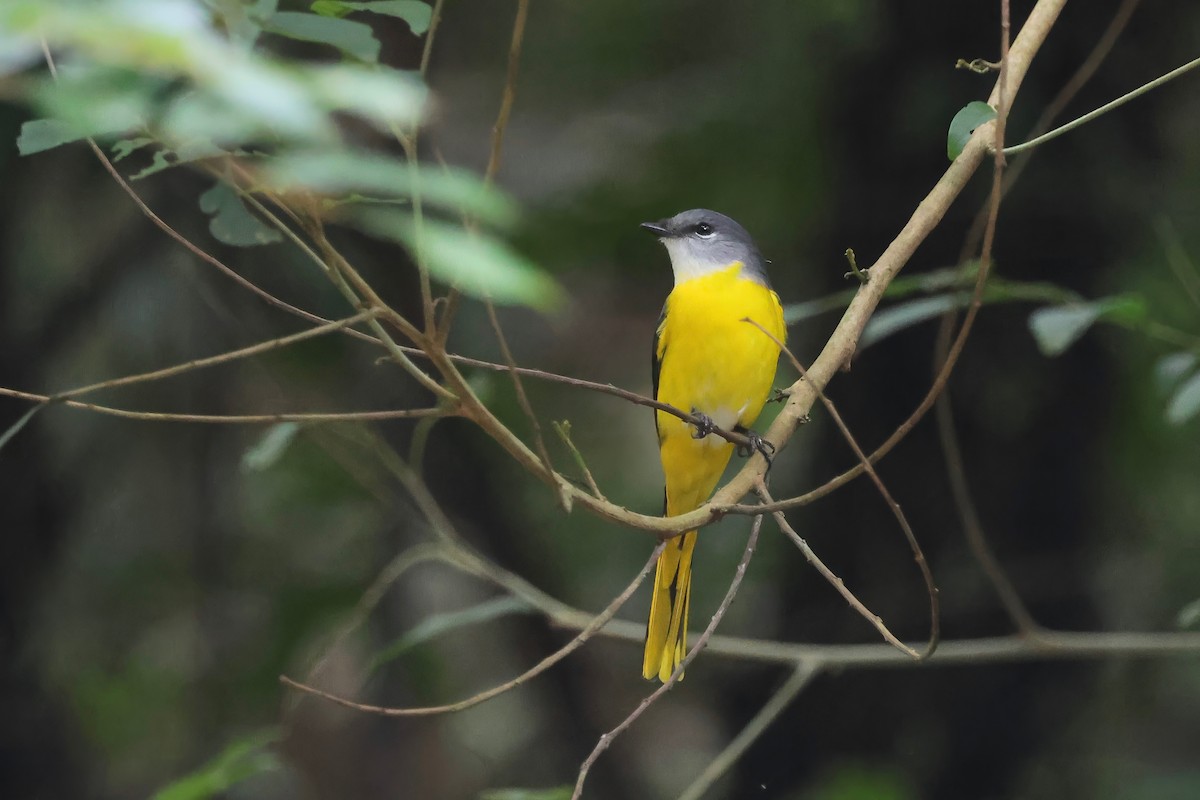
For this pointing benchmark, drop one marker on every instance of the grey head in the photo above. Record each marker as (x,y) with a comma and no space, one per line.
(701,242)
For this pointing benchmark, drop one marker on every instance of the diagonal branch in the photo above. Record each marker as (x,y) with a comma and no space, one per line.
(893,506)
(701,643)
(598,622)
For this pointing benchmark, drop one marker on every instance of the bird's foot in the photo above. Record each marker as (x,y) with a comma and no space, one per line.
(755,444)
(779,395)
(703,423)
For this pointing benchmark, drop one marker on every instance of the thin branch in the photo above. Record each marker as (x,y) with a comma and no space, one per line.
(522,398)
(507,99)
(563,429)
(1067,93)
(977,540)
(435,21)
(836,582)
(897,512)
(349,282)
(1104,109)
(223,358)
(558,655)
(339,271)
(230,419)
(801,677)
(400,564)
(1049,646)
(607,739)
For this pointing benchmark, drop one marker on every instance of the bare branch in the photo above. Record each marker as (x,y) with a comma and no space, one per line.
(977,540)
(522,398)
(608,738)
(836,582)
(598,622)
(223,358)
(507,99)
(801,677)
(563,429)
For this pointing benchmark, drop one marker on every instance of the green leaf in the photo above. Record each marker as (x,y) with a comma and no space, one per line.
(1185,404)
(1056,328)
(124,147)
(383,96)
(555,793)
(414,12)
(242,759)
(478,265)
(45,134)
(348,172)
(440,624)
(232,223)
(903,315)
(1171,369)
(267,451)
(968,118)
(352,38)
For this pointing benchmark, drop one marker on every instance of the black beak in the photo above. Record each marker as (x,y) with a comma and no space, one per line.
(656,228)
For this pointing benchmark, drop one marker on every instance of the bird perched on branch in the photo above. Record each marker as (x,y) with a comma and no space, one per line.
(710,361)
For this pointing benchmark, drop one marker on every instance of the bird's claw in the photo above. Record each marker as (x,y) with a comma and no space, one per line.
(703,423)
(756,444)
(779,395)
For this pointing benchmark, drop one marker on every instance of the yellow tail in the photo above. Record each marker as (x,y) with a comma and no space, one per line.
(666,635)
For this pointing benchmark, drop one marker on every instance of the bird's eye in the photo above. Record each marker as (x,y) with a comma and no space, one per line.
(704,229)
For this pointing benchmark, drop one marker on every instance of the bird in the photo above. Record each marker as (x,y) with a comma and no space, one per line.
(709,361)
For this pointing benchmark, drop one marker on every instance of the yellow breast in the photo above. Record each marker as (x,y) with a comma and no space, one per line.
(713,362)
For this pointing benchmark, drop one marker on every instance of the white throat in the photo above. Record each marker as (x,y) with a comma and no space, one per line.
(687,263)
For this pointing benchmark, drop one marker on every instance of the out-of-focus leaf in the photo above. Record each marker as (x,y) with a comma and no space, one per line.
(414,12)
(21,422)
(554,793)
(1170,369)
(478,265)
(1189,615)
(378,94)
(45,134)
(124,147)
(347,172)
(440,624)
(1056,328)
(242,759)
(185,154)
(232,223)
(267,451)
(968,118)
(1185,403)
(352,38)
(902,315)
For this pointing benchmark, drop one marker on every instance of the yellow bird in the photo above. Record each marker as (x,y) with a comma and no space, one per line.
(709,362)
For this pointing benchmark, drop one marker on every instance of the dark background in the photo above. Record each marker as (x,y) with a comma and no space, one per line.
(152,588)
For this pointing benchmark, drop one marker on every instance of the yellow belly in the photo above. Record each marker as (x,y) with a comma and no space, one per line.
(718,365)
